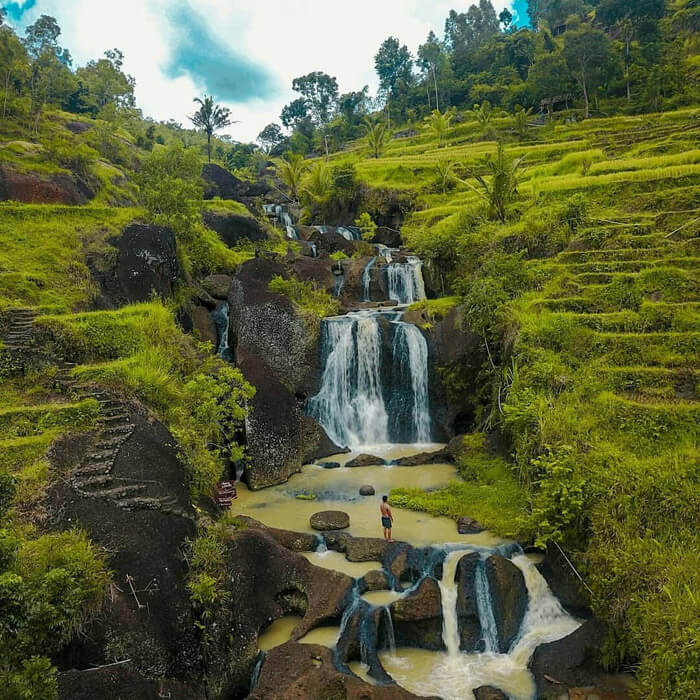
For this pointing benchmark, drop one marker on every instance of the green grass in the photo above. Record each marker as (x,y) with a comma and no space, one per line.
(306,296)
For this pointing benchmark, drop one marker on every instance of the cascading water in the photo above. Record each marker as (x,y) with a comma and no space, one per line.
(221,321)
(367,280)
(292,233)
(405,281)
(448,593)
(484,605)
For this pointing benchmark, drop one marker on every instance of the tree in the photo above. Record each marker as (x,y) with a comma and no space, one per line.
(585,51)
(505,19)
(294,113)
(376,136)
(353,105)
(445,174)
(439,124)
(431,59)
(631,18)
(171,188)
(317,189)
(291,169)
(394,65)
(271,137)
(484,113)
(500,190)
(367,226)
(320,92)
(42,36)
(522,116)
(14,61)
(466,32)
(210,117)
(106,83)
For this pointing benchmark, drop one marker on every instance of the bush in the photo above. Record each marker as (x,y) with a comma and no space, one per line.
(306,295)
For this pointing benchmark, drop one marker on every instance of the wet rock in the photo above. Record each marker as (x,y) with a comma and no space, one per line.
(375,581)
(488,692)
(330,520)
(565,585)
(572,661)
(436,457)
(469,526)
(509,597)
(235,228)
(295,541)
(365,460)
(467,610)
(219,182)
(318,271)
(327,243)
(299,671)
(357,548)
(409,564)
(418,618)
(31,188)
(204,324)
(329,465)
(217,286)
(367,490)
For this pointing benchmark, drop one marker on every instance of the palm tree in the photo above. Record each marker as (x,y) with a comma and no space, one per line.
(503,185)
(439,124)
(484,113)
(290,169)
(445,173)
(210,117)
(317,188)
(376,135)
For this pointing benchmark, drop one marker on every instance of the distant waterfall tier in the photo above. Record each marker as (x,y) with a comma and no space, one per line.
(405,281)
(375,387)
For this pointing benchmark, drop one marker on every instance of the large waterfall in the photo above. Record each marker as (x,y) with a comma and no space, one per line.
(373,365)
(405,281)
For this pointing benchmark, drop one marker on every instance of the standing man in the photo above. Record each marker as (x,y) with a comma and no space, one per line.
(387,518)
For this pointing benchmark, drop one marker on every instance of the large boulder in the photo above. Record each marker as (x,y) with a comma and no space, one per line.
(488,692)
(435,457)
(417,618)
(469,526)
(219,182)
(564,583)
(508,596)
(296,541)
(571,661)
(467,610)
(357,548)
(365,460)
(235,228)
(32,188)
(203,324)
(269,581)
(276,347)
(217,286)
(330,520)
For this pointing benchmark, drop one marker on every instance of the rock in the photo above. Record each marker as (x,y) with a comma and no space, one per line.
(564,583)
(467,610)
(572,661)
(469,526)
(357,548)
(219,182)
(436,457)
(273,582)
(315,270)
(235,228)
(204,325)
(327,243)
(146,264)
(32,188)
(77,127)
(329,465)
(217,286)
(299,671)
(367,490)
(509,597)
(330,520)
(365,460)
(295,541)
(418,618)
(488,692)
(375,580)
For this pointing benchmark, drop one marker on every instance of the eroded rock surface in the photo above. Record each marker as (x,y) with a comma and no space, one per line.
(467,610)
(418,618)
(509,597)
(31,188)
(330,520)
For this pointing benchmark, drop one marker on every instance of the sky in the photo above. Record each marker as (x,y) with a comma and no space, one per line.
(245,53)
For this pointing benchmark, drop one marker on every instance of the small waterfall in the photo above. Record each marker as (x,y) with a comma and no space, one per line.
(405,281)
(291,232)
(367,280)
(410,350)
(350,405)
(391,637)
(346,233)
(448,593)
(314,249)
(286,219)
(321,547)
(484,605)
(221,322)
(256,670)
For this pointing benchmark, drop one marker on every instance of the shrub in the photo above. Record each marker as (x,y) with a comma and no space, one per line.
(306,295)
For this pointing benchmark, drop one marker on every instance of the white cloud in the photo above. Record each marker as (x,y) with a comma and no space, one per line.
(287,37)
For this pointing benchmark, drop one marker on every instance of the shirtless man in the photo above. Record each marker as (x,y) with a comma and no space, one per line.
(387,518)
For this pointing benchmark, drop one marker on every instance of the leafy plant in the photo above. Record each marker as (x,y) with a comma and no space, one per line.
(367,226)
(210,117)
(376,136)
(291,169)
(439,124)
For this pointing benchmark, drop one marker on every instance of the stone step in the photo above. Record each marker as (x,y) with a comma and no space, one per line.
(115,418)
(118,492)
(102,456)
(125,429)
(139,503)
(96,480)
(92,470)
(111,444)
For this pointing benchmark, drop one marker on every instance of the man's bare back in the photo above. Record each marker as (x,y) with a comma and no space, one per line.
(387,518)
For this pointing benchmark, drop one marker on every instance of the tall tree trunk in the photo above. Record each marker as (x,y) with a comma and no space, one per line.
(627,70)
(587,111)
(7,87)
(437,99)
(209,147)
(427,89)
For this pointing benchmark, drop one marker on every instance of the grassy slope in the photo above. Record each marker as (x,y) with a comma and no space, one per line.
(600,388)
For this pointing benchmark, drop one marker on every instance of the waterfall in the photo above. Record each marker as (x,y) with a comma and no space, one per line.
(314,249)
(484,605)
(391,637)
(256,670)
(321,547)
(448,594)
(221,322)
(350,405)
(405,281)
(346,233)
(291,231)
(367,280)
(410,351)
(286,219)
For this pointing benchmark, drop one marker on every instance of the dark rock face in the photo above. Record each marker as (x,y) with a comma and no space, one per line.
(270,581)
(418,618)
(235,228)
(77,127)
(467,611)
(146,263)
(358,548)
(469,526)
(509,596)
(572,661)
(276,348)
(327,243)
(365,460)
(367,490)
(30,188)
(564,583)
(221,183)
(330,520)
(375,581)
(295,541)
(204,325)
(300,671)
(488,692)
(218,286)
(436,457)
